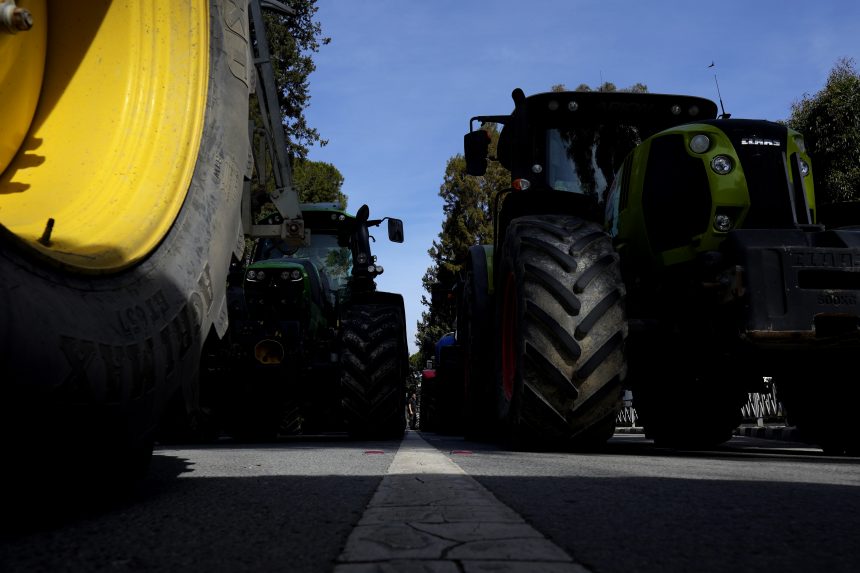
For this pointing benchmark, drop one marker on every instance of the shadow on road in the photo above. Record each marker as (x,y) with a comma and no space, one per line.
(739,448)
(48,501)
(749,505)
(180,518)
(630,507)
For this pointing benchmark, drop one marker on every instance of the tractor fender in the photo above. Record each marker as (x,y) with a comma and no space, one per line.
(388,299)
(516,204)
(379,297)
(481,264)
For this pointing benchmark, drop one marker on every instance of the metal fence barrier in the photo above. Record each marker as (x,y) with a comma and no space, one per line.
(760,409)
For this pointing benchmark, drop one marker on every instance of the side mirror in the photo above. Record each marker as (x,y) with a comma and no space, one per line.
(475,145)
(395,230)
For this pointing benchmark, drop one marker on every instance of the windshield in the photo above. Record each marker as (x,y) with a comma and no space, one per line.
(333,259)
(584,159)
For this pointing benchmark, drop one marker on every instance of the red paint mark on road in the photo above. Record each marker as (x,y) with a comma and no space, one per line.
(461,452)
(373,452)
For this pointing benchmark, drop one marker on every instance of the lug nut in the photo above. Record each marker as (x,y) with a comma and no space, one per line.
(22,20)
(14,19)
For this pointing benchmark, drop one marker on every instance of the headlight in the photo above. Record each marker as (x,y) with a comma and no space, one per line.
(700,143)
(379,269)
(261,275)
(295,274)
(252,275)
(804,167)
(722,164)
(285,275)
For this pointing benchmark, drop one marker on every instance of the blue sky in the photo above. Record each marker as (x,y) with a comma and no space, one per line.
(394,90)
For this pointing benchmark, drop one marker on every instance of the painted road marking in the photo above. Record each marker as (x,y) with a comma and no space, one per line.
(428,515)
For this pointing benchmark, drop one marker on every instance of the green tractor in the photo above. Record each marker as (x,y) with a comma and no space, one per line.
(647,244)
(312,345)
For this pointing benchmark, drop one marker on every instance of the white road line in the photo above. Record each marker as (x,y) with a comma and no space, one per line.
(428,515)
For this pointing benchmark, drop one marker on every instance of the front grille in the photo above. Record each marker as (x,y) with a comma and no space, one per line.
(676,197)
(770,202)
(764,167)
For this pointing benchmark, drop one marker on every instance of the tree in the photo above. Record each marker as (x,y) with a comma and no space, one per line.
(318,182)
(830,124)
(293,41)
(468,207)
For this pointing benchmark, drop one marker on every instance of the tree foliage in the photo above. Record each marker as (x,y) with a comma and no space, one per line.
(468,207)
(318,182)
(830,124)
(293,40)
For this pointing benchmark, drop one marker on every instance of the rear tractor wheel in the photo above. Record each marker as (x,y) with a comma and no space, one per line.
(373,375)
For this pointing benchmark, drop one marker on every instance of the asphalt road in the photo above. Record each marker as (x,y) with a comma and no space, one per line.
(436,503)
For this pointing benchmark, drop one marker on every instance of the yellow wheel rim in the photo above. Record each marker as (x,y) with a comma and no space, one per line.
(109,151)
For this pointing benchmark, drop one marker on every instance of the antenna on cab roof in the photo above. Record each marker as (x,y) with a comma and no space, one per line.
(723,115)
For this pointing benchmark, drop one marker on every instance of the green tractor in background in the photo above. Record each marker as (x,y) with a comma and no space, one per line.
(312,345)
(646,244)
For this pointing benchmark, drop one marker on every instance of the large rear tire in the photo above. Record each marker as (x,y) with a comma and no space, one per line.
(820,398)
(475,333)
(373,375)
(561,359)
(449,388)
(688,411)
(97,335)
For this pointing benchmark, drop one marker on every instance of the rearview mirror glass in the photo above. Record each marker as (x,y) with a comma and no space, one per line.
(475,146)
(395,230)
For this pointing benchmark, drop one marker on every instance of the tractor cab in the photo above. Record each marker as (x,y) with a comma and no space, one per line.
(337,250)
(576,141)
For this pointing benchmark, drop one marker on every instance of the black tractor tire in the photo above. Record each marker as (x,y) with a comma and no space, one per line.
(450,391)
(374,370)
(291,417)
(683,410)
(475,335)
(562,327)
(820,399)
(89,362)
(261,403)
